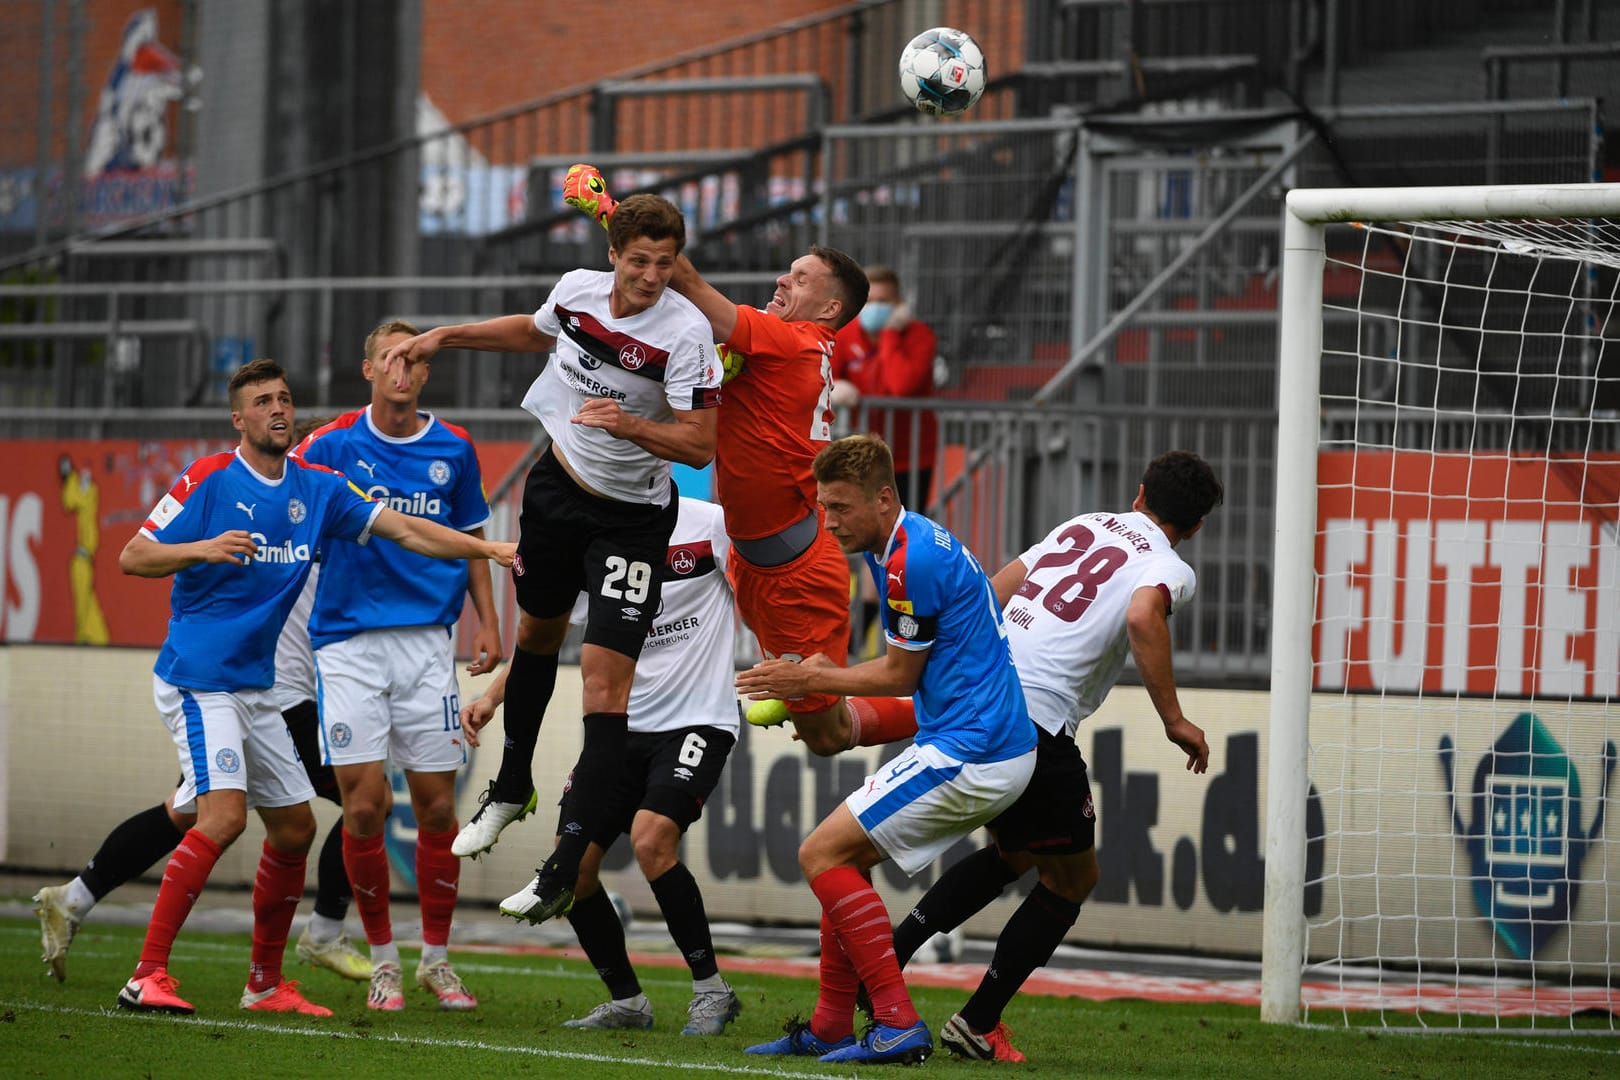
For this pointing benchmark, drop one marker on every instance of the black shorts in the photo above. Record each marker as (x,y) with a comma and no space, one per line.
(668,772)
(303,722)
(572,541)
(1054,815)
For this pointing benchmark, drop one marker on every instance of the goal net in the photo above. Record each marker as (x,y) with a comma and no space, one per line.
(1445,696)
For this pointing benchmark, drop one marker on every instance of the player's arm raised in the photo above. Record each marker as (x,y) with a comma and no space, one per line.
(1148,630)
(721,312)
(505,333)
(585,190)
(436,541)
(145,557)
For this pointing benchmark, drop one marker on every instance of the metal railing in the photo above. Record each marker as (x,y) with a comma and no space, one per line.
(1500,60)
(1133,256)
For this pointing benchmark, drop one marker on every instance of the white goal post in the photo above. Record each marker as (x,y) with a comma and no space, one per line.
(1449,361)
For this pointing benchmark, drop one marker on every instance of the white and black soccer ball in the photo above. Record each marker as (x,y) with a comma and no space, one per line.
(942,71)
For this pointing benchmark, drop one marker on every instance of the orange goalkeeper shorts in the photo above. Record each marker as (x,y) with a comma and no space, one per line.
(799,608)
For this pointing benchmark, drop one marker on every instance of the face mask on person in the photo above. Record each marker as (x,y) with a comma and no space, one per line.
(874,315)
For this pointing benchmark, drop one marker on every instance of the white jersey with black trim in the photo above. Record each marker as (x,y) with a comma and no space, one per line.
(652,363)
(1066,623)
(295,657)
(686,673)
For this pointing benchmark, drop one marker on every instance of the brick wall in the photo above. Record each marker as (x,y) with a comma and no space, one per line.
(479,56)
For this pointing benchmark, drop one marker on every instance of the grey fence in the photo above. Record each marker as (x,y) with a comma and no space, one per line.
(1023,242)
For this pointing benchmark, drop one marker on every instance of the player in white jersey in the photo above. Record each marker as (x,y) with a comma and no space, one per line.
(683,723)
(1097,586)
(382,631)
(237,532)
(632,385)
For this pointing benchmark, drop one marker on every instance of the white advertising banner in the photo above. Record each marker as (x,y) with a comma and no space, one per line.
(1181,855)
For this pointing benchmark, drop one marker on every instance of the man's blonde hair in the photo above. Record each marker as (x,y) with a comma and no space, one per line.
(863,460)
(387,329)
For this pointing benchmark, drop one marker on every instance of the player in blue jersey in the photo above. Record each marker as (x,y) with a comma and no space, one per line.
(631,386)
(973,754)
(135,844)
(382,631)
(237,531)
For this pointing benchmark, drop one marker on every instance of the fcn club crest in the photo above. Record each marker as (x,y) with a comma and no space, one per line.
(1526,842)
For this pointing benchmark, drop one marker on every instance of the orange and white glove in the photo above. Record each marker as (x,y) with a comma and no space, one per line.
(584,189)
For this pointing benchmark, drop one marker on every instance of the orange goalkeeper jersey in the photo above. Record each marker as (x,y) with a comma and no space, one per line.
(774,418)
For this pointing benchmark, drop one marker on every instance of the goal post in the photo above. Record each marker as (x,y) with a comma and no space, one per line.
(1448,360)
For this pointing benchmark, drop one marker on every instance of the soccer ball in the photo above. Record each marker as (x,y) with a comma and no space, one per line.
(942,71)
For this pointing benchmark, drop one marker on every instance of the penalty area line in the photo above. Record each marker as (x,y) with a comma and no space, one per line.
(422,1040)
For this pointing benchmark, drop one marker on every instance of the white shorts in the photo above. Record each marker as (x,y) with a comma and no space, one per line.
(917,805)
(231,741)
(391,692)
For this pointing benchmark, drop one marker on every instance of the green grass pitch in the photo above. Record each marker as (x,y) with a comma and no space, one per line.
(74,1030)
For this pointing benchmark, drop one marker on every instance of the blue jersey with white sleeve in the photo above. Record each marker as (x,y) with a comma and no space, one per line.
(432,474)
(934,596)
(225,617)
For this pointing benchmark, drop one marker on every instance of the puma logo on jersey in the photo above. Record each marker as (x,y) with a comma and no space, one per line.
(246,509)
(371,470)
(190,483)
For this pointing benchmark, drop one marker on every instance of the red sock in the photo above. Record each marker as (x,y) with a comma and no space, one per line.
(874,721)
(856,913)
(438,872)
(835,1004)
(183,880)
(367,865)
(277,888)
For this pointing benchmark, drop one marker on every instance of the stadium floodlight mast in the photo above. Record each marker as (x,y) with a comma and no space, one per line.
(1575,230)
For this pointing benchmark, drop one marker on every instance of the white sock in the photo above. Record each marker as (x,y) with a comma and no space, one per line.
(434,954)
(714,984)
(386,953)
(324,929)
(636,1004)
(79,898)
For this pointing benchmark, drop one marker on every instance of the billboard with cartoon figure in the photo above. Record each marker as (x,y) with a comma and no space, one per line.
(1526,841)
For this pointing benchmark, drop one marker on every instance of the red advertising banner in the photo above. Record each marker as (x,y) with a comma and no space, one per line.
(1479,573)
(67,507)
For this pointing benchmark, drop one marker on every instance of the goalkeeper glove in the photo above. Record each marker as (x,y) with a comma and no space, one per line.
(731,362)
(584,189)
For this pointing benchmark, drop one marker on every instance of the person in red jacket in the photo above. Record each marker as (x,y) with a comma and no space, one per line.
(887,352)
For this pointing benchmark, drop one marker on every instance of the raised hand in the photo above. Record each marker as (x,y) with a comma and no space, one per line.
(584,189)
